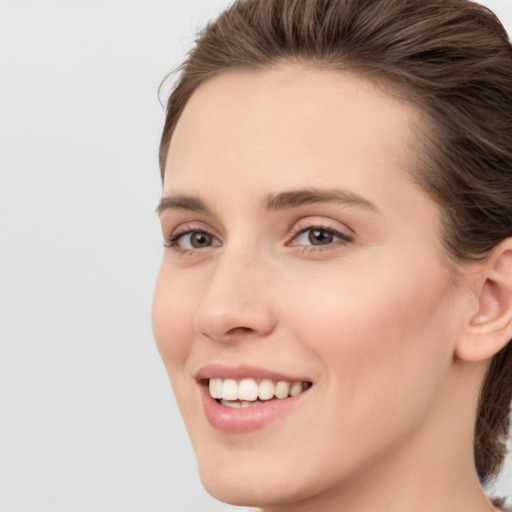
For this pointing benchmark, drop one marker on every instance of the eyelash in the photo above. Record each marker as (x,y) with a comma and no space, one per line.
(343,238)
(173,241)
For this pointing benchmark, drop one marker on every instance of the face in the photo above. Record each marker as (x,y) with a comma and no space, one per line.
(303,281)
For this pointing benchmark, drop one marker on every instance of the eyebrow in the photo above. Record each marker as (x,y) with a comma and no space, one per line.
(181,202)
(275,201)
(296,198)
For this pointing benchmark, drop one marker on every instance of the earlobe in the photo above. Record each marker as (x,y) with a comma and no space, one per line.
(490,328)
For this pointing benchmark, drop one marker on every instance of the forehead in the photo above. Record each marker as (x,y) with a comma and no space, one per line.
(266,121)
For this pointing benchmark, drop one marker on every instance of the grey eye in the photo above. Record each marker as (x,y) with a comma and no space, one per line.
(318,236)
(197,240)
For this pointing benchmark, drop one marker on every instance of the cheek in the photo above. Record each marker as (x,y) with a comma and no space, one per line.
(382,346)
(380,338)
(172,315)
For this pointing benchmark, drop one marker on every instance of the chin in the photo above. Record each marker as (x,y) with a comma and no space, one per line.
(260,480)
(238,478)
(245,491)
(249,489)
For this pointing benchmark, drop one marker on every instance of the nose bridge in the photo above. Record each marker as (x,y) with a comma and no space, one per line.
(237,299)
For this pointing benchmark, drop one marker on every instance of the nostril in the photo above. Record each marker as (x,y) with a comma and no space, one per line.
(240,330)
(226,319)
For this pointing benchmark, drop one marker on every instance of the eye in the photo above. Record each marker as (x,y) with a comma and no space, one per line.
(192,239)
(320,236)
(317,236)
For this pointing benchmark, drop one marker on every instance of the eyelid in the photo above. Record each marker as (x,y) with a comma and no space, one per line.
(342,241)
(346,234)
(186,228)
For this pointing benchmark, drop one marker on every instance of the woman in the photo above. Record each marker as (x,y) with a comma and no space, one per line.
(334,305)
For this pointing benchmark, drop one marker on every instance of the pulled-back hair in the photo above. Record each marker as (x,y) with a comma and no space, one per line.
(453,59)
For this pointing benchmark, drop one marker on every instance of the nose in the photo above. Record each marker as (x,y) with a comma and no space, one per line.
(237,302)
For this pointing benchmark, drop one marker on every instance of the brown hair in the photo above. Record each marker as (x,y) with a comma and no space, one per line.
(452,58)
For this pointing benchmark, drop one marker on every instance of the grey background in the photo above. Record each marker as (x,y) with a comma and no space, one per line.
(87,418)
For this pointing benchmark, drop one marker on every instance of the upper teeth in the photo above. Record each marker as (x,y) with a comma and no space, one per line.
(251,390)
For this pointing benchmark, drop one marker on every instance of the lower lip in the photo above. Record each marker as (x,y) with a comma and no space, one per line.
(246,419)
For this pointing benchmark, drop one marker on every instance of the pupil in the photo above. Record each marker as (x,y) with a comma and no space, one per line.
(320,237)
(200,239)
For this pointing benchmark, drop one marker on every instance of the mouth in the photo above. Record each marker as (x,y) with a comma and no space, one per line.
(246,399)
(253,392)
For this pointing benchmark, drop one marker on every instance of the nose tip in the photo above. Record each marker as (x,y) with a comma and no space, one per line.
(235,305)
(231,321)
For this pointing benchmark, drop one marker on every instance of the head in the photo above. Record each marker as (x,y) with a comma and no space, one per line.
(440,73)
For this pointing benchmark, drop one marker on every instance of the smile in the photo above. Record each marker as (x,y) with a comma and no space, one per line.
(250,392)
(244,399)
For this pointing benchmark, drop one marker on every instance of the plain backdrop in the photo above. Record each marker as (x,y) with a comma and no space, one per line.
(88,422)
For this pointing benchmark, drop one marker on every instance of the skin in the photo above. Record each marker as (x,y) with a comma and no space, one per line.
(373,320)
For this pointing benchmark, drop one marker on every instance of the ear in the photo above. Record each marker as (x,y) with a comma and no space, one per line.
(490,328)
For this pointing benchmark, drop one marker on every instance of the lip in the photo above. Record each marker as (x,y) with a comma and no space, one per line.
(216,371)
(245,419)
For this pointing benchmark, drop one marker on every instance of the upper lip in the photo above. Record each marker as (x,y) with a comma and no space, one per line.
(238,372)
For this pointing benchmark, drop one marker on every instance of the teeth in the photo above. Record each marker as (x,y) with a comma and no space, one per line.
(295,388)
(239,403)
(266,389)
(247,392)
(282,389)
(215,388)
(230,390)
